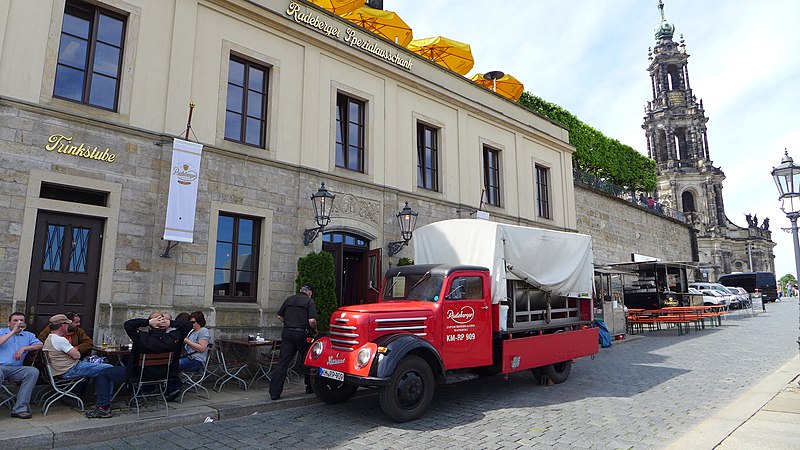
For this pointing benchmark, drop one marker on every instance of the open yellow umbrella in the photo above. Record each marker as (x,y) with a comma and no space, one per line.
(339,6)
(383,23)
(505,85)
(456,56)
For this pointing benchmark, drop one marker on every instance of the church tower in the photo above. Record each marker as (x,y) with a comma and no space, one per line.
(675,127)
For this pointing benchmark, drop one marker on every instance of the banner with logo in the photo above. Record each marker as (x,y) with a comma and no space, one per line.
(183,181)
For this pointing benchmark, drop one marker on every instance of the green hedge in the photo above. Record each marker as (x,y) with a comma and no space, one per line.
(597,154)
(317,269)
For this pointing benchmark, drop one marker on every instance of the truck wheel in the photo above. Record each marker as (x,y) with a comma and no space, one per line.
(558,372)
(410,390)
(332,391)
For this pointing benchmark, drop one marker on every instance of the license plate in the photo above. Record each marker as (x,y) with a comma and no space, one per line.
(332,374)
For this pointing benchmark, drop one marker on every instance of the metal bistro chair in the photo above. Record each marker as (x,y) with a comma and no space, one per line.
(7,398)
(154,361)
(231,370)
(194,380)
(59,387)
(267,362)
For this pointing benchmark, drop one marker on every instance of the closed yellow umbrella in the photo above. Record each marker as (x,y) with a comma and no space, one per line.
(456,56)
(339,7)
(505,85)
(383,23)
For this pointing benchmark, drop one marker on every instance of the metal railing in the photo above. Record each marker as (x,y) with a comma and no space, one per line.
(637,198)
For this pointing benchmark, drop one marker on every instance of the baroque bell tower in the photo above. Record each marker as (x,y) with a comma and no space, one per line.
(675,127)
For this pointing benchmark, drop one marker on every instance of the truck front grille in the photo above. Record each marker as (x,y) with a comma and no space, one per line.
(343,336)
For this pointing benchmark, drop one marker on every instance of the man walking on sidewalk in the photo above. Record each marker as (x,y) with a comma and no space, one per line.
(299,315)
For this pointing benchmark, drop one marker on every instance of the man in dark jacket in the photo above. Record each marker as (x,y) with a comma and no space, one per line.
(299,316)
(156,340)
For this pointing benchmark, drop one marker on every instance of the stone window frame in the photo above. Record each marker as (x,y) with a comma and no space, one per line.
(93,14)
(487,146)
(121,115)
(421,128)
(273,66)
(361,123)
(250,65)
(266,216)
(336,88)
(544,206)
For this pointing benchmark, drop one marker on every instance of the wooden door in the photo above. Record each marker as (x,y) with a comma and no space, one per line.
(374,275)
(65,267)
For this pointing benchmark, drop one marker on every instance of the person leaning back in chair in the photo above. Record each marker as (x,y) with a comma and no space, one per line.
(65,360)
(299,315)
(75,335)
(195,352)
(156,340)
(14,344)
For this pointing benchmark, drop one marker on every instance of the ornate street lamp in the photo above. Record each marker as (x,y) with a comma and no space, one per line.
(408,222)
(787,179)
(323,205)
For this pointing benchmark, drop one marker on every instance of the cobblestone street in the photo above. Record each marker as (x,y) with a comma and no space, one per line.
(641,393)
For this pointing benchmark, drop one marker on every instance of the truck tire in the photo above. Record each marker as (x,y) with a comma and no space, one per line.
(410,390)
(332,391)
(558,372)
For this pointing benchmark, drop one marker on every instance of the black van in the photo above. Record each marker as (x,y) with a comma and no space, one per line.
(750,281)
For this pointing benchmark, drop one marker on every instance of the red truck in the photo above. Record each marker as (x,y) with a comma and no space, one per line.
(487,298)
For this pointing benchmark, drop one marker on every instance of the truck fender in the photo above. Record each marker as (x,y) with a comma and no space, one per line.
(400,345)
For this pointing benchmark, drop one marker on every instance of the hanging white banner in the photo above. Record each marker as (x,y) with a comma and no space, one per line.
(183,180)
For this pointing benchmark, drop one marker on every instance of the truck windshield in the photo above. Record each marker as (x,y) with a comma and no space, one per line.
(417,286)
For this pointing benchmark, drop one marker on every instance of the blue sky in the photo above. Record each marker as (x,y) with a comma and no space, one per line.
(590,57)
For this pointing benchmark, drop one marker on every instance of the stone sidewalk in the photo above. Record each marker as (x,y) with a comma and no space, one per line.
(65,426)
(765,417)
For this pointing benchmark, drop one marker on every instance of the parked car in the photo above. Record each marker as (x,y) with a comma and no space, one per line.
(735,300)
(720,289)
(745,297)
(712,297)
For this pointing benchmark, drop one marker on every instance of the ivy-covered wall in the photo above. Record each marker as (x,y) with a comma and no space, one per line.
(597,154)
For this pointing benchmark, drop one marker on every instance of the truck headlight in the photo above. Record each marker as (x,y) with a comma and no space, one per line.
(316,349)
(362,359)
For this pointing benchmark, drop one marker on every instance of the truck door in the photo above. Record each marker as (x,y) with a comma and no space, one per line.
(466,321)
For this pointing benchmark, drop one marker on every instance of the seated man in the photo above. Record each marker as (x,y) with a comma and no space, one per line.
(156,340)
(64,358)
(75,335)
(14,344)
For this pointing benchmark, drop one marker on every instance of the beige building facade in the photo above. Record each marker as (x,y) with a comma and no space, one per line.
(287,97)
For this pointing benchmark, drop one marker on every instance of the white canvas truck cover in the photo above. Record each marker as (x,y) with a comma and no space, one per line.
(554,261)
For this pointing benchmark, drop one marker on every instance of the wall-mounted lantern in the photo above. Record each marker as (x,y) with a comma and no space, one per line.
(323,205)
(407,219)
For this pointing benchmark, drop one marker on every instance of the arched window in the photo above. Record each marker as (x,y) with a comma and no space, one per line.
(687,200)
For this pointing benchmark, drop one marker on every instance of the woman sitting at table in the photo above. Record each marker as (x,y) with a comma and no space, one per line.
(195,352)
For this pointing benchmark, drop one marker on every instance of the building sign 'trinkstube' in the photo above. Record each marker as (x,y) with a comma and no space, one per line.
(63,144)
(304,16)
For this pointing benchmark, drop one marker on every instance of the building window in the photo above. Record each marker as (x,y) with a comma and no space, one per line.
(236,263)
(90,56)
(491,176)
(543,192)
(246,106)
(349,133)
(427,157)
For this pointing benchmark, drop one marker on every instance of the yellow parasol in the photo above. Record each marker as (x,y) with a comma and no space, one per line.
(454,55)
(505,85)
(339,6)
(383,23)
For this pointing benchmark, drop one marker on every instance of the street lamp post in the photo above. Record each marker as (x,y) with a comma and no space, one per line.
(787,179)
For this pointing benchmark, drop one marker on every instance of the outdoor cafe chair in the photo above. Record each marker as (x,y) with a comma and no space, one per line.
(59,387)
(231,370)
(267,362)
(155,362)
(194,380)
(7,397)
